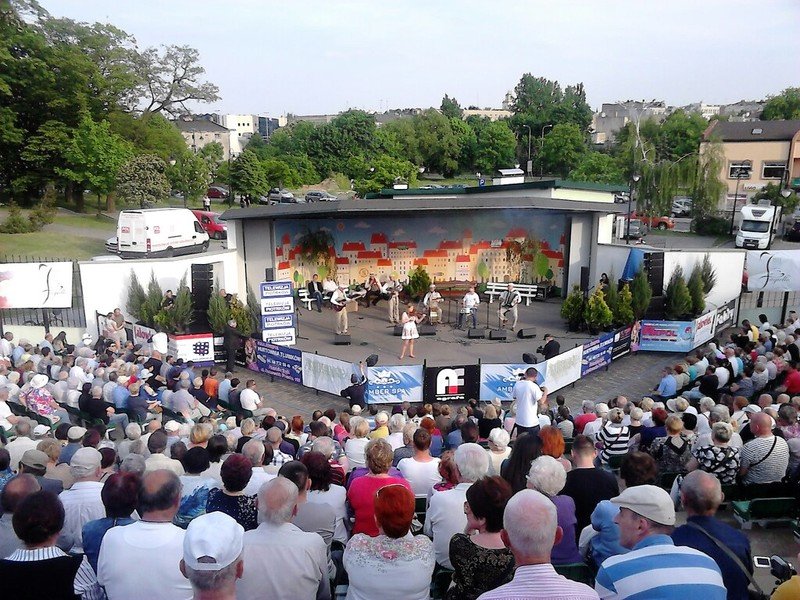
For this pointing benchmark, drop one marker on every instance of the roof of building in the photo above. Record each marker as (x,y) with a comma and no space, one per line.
(753,131)
(199,125)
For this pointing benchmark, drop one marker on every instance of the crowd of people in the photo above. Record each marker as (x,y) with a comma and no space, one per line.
(167,495)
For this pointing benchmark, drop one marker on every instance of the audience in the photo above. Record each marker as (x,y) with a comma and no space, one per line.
(421,470)
(15,491)
(212,556)
(120,496)
(83,501)
(236,472)
(587,484)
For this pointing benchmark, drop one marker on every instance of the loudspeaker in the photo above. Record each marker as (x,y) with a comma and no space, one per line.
(499,336)
(584,279)
(269,274)
(372,360)
(398,330)
(341,339)
(529,359)
(526,334)
(426,329)
(654,264)
(202,284)
(475,334)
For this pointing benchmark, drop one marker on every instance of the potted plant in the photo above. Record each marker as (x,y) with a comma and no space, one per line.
(572,309)
(597,314)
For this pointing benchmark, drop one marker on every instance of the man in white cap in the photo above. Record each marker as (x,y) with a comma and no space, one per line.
(82,502)
(212,556)
(655,567)
(74,438)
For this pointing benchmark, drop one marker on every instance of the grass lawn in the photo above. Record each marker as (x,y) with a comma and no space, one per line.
(48,245)
(100,222)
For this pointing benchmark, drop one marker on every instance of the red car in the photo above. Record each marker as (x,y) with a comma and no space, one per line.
(210,222)
(217,192)
(655,222)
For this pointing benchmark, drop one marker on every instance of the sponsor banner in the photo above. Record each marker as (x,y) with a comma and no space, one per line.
(446,384)
(497,380)
(285,363)
(36,285)
(195,347)
(704,328)
(597,354)
(277,321)
(563,369)
(326,374)
(622,342)
(725,316)
(666,336)
(277,306)
(142,334)
(773,270)
(282,337)
(276,289)
(392,385)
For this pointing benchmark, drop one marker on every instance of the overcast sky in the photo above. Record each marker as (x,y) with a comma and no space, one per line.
(310,57)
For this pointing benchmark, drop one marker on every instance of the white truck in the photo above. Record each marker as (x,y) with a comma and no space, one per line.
(758,227)
(157,232)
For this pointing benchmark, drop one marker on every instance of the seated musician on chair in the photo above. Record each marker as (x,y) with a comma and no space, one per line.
(431,303)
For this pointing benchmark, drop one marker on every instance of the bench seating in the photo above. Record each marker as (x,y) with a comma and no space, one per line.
(527,291)
(764,511)
(302,295)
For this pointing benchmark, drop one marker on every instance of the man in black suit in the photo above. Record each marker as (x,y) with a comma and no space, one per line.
(551,347)
(315,291)
(232,341)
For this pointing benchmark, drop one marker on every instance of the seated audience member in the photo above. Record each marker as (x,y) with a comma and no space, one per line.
(586,483)
(437,442)
(553,445)
(139,560)
(236,472)
(323,491)
(481,561)
(395,437)
(530,530)
(638,468)
(14,492)
(407,449)
(593,427)
(515,469)
(361,494)
(646,518)
(393,565)
(765,458)
(605,543)
(157,446)
(673,451)
(120,495)
(282,562)
(355,447)
(212,556)
(448,472)
(421,470)
(195,486)
(587,415)
(548,477)
(40,569)
(658,416)
(445,516)
(613,436)
(701,495)
(498,449)
(255,451)
(719,458)
(489,421)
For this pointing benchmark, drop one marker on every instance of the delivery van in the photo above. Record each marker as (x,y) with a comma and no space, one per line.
(156,232)
(758,227)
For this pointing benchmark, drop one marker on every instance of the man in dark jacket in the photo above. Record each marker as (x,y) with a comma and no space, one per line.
(231,341)
(551,347)
(356,392)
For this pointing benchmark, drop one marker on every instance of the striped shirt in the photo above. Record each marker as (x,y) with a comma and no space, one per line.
(656,569)
(540,582)
(85,584)
(614,439)
(766,459)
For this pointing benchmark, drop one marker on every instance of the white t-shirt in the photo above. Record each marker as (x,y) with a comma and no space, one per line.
(5,412)
(249,399)
(527,394)
(336,498)
(421,475)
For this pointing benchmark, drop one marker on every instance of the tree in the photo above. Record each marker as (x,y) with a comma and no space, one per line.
(213,154)
(572,308)
(707,188)
(451,108)
(190,176)
(597,313)
(784,106)
(438,144)
(150,134)
(708,274)
(495,147)
(598,168)
(467,142)
(382,172)
(679,135)
(249,175)
(623,314)
(278,173)
(143,181)
(772,193)
(677,301)
(641,294)
(695,287)
(563,148)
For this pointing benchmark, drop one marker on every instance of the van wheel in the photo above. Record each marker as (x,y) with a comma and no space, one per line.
(205,246)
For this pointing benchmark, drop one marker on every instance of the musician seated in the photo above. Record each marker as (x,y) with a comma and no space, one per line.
(374,290)
(431,304)
(469,306)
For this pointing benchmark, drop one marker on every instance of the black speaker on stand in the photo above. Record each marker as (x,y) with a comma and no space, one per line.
(202,287)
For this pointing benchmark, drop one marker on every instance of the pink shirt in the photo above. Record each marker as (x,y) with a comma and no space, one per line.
(361,496)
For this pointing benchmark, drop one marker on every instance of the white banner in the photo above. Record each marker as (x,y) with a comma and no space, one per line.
(704,328)
(773,270)
(279,337)
(277,306)
(195,347)
(36,285)
(142,334)
(326,374)
(563,369)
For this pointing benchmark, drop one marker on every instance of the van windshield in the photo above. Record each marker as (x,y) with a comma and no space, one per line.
(755,226)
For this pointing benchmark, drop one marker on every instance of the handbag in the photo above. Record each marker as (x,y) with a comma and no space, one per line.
(754,594)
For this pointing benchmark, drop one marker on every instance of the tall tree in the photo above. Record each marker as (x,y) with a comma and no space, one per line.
(190,176)
(170,77)
(149,133)
(785,105)
(495,147)
(563,148)
(213,155)
(142,181)
(438,145)
(451,108)
(598,168)
(249,175)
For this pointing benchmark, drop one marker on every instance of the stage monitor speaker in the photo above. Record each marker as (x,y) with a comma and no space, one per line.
(529,359)
(398,330)
(654,265)
(498,336)
(585,279)
(202,285)
(526,333)
(475,334)
(341,340)
(426,329)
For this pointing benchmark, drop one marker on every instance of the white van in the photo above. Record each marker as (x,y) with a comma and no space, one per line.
(155,232)
(759,226)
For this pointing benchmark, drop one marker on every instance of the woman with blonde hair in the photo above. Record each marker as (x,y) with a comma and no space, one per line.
(355,447)
(498,449)
(409,319)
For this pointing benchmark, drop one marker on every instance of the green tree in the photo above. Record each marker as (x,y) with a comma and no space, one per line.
(495,147)
(451,108)
(708,274)
(438,144)
(597,313)
(641,294)
(170,77)
(213,154)
(143,181)
(677,301)
(680,135)
(707,189)
(784,106)
(382,172)
(190,176)
(598,168)
(623,314)
(467,142)
(278,173)
(563,149)
(149,133)
(249,175)
(695,287)
(572,308)
(772,192)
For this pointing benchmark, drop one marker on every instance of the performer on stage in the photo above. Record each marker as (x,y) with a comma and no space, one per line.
(508,304)
(410,319)
(315,291)
(393,289)
(469,306)
(339,303)
(431,304)
(374,290)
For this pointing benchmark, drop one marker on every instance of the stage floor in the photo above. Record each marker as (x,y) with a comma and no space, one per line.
(371,333)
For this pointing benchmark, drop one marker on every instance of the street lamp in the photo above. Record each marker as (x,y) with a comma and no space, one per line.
(739,173)
(530,164)
(635,179)
(541,149)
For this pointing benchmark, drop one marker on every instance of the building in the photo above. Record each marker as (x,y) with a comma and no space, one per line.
(704,109)
(767,151)
(197,132)
(612,117)
(493,114)
(242,128)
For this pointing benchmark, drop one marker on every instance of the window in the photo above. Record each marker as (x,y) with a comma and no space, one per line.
(772,170)
(755,226)
(198,228)
(739,169)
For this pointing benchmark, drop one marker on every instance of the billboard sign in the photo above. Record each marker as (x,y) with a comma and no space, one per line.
(704,328)
(394,384)
(279,361)
(448,384)
(326,374)
(622,342)
(497,380)
(666,336)
(277,313)
(597,354)
(36,285)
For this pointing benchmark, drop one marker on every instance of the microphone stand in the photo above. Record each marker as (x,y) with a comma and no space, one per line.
(297,325)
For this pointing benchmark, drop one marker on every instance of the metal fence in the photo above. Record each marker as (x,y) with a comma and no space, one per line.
(49,318)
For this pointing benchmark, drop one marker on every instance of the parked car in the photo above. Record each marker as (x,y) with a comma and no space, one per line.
(216,229)
(266,200)
(282,196)
(216,192)
(320,196)
(159,232)
(792,233)
(655,222)
(681,207)
(112,245)
(636,231)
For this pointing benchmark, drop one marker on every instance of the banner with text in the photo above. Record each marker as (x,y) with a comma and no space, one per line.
(597,354)
(725,316)
(393,385)
(666,336)
(326,374)
(279,361)
(36,285)
(142,334)
(563,369)
(452,384)
(622,342)
(773,270)
(277,313)
(497,380)
(198,347)
(704,328)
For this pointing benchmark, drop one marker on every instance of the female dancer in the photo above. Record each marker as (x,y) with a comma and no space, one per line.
(409,320)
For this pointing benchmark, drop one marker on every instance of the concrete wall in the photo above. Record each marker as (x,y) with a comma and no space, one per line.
(257,250)
(728,264)
(611,259)
(580,247)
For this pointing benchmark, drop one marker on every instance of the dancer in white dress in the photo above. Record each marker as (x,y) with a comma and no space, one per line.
(409,320)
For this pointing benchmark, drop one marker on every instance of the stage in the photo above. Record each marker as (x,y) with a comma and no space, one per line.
(371,333)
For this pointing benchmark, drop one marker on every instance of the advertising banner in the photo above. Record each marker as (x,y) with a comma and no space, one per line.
(666,336)
(447,384)
(277,313)
(392,385)
(281,337)
(563,369)
(773,270)
(622,342)
(725,316)
(597,354)
(286,363)
(276,289)
(197,347)
(36,285)
(277,321)
(141,334)
(326,374)
(704,328)
(277,306)
(497,380)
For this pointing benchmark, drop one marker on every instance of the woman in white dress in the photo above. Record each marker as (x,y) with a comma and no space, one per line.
(409,320)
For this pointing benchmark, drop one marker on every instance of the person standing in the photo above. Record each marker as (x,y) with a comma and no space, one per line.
(530,399)
(508,304)
(393,289)
(339,303)
(232,341)
(410,319)
(206,203)
(356,391)
(469,306)
(315,291)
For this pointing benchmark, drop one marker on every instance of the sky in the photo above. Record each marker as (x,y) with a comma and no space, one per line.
(319,57)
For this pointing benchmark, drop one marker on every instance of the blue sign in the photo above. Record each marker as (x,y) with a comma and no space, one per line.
(666,336)
(497,380)
(279,361)
(276,289)
(597,354)
(481,182)
(277,321)
(392,385)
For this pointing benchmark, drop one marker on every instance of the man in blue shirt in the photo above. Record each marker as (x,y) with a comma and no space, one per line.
(668,386)
(653,567)
(701,494)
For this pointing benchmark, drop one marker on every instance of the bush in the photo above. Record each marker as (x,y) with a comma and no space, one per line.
(45,211)
(418,283)
(641,293)
(677,301)
(136,297)
(708,275)
(597,313)
(711,225)
(217,311)
(572,307)
(15,222)
(623,314)
(695,286)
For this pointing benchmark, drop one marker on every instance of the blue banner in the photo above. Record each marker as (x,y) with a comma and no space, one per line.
(276,289)
(497,380)
(393,385)
(277,321)
(279,361)
(597,354)
(666,336)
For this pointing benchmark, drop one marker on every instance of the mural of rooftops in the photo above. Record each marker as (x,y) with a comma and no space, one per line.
(504,245)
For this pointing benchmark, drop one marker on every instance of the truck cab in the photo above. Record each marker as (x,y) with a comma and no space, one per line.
(758,226)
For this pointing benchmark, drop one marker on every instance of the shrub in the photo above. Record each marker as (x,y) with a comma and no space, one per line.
(136,297)
(572,307)
(254,308)
(641,293)
(597,313)
(708,274)
(695,286)
(711,225)
(623,314)
(418,283)
(217,311)
(677,301)
(45,211)
(15,222)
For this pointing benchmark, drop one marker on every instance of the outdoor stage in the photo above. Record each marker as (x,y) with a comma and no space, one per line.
(371,333)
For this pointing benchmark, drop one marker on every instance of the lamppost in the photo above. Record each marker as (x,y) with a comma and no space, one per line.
(634,179)
(530,164)
(230,182)
(541,149)
(739,173)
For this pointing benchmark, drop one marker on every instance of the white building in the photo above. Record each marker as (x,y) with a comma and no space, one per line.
(242,128)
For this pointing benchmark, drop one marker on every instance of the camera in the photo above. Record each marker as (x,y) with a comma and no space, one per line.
(780,569)
(540,350)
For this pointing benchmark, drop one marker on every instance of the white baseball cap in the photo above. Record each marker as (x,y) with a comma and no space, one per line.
(215,537)
(648,501)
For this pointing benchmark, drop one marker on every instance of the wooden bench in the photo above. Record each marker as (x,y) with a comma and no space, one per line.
(764,511)
(527,291)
